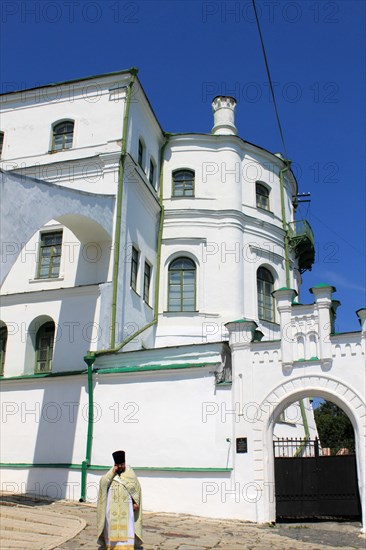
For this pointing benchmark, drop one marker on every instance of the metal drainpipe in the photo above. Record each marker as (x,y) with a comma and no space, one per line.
(284,223)
(114,349)
(89,360)
(287,267)
(119,199)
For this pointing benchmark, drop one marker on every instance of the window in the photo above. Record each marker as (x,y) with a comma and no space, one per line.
(141,152)
(147,281)
(262,196)
(3,341)
(152,172)
(49,255)
(1,143)
(134,267)
(182,285)
(62,135)
(265,299)
(183,183)
(44,347)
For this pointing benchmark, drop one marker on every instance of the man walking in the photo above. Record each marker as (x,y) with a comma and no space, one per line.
(119,507)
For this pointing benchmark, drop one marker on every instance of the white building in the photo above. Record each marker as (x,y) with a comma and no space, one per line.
(175,261)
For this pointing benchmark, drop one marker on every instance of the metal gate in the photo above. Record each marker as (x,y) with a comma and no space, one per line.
(309,485)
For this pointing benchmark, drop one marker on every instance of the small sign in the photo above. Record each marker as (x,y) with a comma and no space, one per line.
(241,445)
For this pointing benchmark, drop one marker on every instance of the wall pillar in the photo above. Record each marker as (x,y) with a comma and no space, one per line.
(323,305)
(284,298)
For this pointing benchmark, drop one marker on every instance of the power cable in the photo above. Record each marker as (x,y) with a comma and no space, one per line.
(269,78)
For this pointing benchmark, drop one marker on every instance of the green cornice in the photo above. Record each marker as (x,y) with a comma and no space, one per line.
(132,71)
(97,467)
(147,368)
(45,375)
(116,370)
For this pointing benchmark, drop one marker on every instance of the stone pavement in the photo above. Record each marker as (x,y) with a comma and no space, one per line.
(43,525)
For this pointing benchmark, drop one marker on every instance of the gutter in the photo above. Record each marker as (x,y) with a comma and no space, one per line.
(115,348)
(92,355)
(117,232)
(89,360)
(284,223)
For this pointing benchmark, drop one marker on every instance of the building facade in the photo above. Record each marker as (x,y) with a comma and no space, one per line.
(150,301)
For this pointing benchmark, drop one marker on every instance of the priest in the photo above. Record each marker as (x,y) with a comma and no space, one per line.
(119,507)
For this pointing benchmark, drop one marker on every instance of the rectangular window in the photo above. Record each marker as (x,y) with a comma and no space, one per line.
(147,281)
(134,267)
(1,143)
(140,159)
(49,255)
(152,173)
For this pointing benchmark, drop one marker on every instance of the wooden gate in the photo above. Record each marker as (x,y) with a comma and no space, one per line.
(309,485)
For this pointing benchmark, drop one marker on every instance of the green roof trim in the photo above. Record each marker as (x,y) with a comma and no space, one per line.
(132,71)
(241,321)
(42,375)
(323,285)
(97,467)
(284,288)
(147,368)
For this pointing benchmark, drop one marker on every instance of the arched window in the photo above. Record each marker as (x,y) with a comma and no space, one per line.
(182,285)
(3,341)
(262,196)
(44,347)
(183,183)
(62,135)
(265,299)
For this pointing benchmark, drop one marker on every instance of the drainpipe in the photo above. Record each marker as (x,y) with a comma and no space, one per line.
(306,428)
(117,232)
(89,360)
(287,268)
(114,348)
(284,223)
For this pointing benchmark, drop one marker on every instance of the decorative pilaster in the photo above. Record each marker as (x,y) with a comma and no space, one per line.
(284,298)
(323,305)
(361,314)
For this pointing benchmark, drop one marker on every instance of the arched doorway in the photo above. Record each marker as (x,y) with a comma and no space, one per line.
(315,464)
(295,390)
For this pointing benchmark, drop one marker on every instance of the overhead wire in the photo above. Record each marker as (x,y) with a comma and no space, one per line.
(269,78)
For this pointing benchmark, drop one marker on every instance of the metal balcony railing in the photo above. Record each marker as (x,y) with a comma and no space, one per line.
(301,228)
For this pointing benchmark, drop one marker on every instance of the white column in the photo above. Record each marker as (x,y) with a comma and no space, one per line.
(284,298)
(323,304)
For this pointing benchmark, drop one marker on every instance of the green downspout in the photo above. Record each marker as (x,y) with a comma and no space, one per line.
(117,232)
(114,349)
(306,428)
(284,223)
(287,268)
(89,360)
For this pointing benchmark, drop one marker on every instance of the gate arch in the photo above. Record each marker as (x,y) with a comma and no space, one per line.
(293,390)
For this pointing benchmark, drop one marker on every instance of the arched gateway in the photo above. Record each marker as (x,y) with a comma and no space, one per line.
(280,377)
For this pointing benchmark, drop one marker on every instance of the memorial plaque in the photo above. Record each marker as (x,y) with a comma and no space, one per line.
(241,445)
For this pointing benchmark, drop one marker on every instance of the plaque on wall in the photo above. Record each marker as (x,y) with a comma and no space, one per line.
(241,445)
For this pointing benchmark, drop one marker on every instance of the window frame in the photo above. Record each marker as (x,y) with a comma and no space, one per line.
(66,145)
(265,294)
(147,282)
(141,153)
(135,260)
(3,344)
(184,193)
(181,285)
(152,172)
(2,139)
(41,255)
(261,197)
(49,348)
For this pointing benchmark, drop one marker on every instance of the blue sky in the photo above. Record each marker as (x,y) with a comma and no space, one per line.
(188,52)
